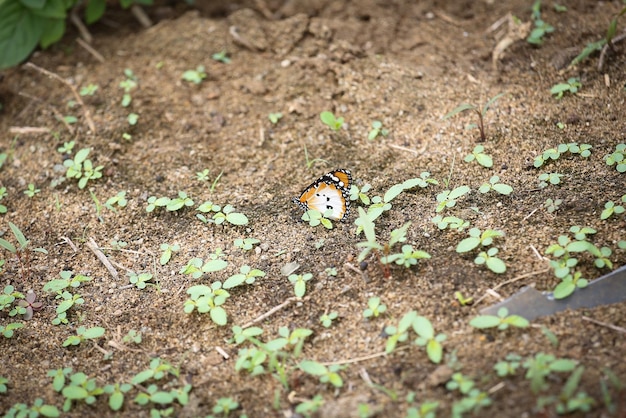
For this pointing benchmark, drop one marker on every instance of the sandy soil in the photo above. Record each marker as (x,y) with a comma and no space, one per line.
(404,64)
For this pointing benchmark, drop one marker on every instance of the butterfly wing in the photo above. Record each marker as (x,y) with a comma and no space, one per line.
(329,192)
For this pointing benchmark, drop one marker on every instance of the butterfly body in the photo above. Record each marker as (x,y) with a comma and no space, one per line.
(329,192)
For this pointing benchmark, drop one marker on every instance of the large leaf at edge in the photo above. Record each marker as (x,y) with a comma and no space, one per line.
(20,31)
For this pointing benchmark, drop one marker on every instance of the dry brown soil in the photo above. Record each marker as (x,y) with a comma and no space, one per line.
(403,63)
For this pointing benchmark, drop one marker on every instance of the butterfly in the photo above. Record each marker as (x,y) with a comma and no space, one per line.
(329,192)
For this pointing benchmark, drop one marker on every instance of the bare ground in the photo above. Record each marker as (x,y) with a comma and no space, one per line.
(404,64)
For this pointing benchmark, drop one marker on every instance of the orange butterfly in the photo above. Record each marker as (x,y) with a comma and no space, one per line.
(329,192)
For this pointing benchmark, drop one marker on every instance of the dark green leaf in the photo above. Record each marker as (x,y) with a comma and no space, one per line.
(94,10)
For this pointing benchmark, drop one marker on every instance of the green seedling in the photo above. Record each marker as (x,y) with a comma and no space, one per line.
(551,178)
(196,266)
(157,370)
(477,239)
(68,299)
(509,366)
(118,245)
(331,271)
(8,329)
(221,57)
(21,251)
(69,119)
(503,320)
(568,400)
(82,169)
(584,150)
(246,275)
(425,410)
(251,360)
(171,205)
(479,155)
(299,283)
(132,119)
(59,377)
(246,244)
(8,296)
(83,334)
(541,365)
(128,85)
(167,251)
(116,394)
(461,383)
(80,388)
(541,28)
(248,334)
(310,407)
(31,191)
(448,198)
(88,90)
(179,202)
(569,284)
(611,208)
(224,406)
(309,162)
(494,184)
(294,338)
(315,218)
(97,205)
(3,194)
(572,85)
(326,374)
(119,199)
(275,117)
(38,408)
(479,112)
(552,205)
(550,336)
(600,44)
(451,222)
(377,129)
(374,308)
(141,280)
(66,280)
(203,175)
(220,215)
(208,299)
(492,262)
(399,333)
(360,194)
(407,258)
(472,402)
(195,76)
(329,119)
(618,158)
(422,181)
(327,319)
(162,398)
(463,300)
(133,336)
(564,265)
(427,338)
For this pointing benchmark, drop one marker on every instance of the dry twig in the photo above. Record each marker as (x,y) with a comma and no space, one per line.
(103,258)
(275,309)
(90,49)
(513,280)
(604,324)
(79,100)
